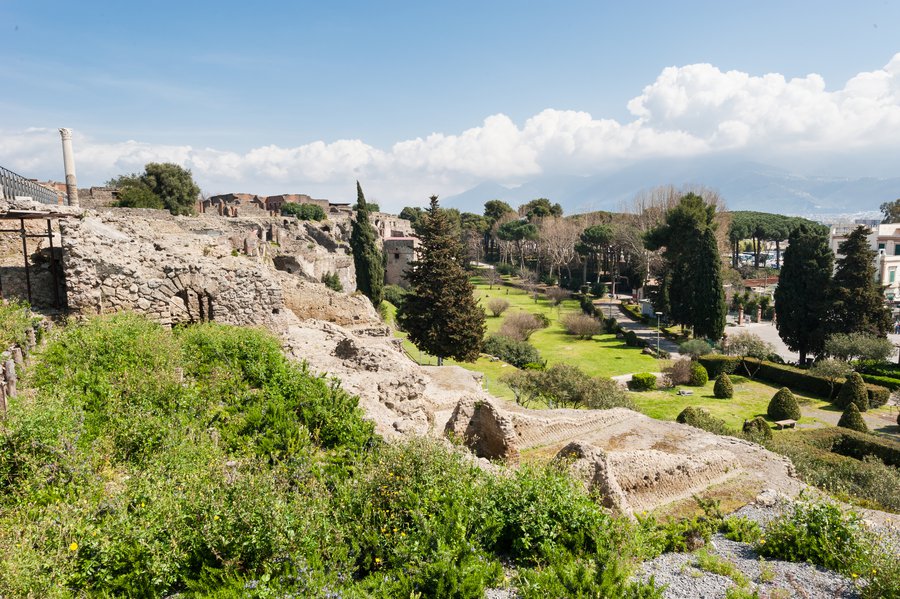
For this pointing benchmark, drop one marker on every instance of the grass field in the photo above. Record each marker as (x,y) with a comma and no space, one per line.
(751,398)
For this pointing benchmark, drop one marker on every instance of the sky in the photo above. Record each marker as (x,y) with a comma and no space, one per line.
(415,98)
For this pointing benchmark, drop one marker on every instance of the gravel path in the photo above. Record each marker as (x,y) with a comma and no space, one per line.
(641,330)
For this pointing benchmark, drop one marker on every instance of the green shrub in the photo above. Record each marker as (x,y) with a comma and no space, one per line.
(783,406)
(642,381)
(694,348)
(395,294)
(497,306)
(582,325)
(877,395)
(717,364)
(507,269)
(587,305)
(740,530)
(699,376)
(632,340)
(888,382)
(700,418)
(517,353)
(332,281)
(303,211)
(723,389)
(853,391)
(852,419)
(757,429)
(15,320)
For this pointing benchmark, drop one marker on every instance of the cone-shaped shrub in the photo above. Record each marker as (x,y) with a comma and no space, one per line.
(757,429)
(853,391)
(852,419)
(723,389)
(784,406)
(699,376)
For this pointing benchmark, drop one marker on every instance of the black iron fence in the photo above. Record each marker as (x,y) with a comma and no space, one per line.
(16,186)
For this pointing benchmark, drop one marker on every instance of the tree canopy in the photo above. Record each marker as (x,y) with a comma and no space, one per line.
(891,212)
(303,211)
(764,226)
(856,299)
(540,208)
(171,185)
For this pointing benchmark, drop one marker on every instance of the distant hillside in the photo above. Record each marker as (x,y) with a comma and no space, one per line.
(744,185)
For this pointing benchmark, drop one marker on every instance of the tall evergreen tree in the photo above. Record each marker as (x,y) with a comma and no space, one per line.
(693,267)
(367,255)
(440,313)
(801,298)
(856,298)
(709,295)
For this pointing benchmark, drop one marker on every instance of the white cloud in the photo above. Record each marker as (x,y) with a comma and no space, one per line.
(687,111)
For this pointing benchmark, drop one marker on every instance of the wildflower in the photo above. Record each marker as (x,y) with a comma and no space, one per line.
(377,560)
(216,517)
(762,541)
(73,546)
(854,574)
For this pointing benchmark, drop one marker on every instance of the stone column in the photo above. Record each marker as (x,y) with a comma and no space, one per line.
(11,378)
(758,313)
(69,163)
(740,315)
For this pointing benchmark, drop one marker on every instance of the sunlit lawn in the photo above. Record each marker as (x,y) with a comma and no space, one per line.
(751,398)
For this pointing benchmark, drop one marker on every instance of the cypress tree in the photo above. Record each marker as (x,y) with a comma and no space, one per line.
(801,298)
(853,391)
(852,419)
(367,255)
(440,313)
(709,295)
(857,302)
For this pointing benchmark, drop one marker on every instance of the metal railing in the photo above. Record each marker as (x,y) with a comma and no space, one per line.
(16,186)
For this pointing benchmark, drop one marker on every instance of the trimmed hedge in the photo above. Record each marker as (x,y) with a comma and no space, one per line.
(787,376)
(511,351)
(852,419)
(699,376)
(882,381)
(853,391)
(642,381)
(723,389)
(784,406)
(858,446)
(757,429)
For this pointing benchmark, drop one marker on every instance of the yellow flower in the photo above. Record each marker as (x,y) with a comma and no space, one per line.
(854,575)
(762,541)
(142,504)
(377,560)
(874,571)
(216,517)
(73,546)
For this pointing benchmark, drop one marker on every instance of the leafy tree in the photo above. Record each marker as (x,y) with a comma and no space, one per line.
(801,297)
(709,295)
(831,370)
(852,419)
(566,386)
(853,391)
(540,208)
(859,346)
(367,255)
(784,406)
(440,312)
(518,231)
(747,345)
(173,185)
(694,348)
(593,242)
(134,194)
(723,389)
(891,212)
(303,211)
(857,303)
(494,210)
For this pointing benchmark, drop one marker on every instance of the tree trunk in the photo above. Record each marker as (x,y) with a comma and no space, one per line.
(777,254)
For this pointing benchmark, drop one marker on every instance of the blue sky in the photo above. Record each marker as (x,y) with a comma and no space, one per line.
(255,95)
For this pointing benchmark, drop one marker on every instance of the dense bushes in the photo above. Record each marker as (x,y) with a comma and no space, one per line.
(642,381)
(497,306)
(565,386)
(303,211)
(757,429)
(395,294)
(517,353)
(15,320)
(723,389)
(520,325)
(783,406)
(852,419)
(332,281)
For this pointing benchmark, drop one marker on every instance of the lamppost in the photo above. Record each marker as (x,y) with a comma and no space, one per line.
(658,314)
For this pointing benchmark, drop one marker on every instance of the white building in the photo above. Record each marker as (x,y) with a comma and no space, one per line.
(885,239)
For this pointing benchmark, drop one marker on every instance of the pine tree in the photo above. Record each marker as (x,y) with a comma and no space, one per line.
(801,298)
(709,295)
(852,419)
(367,255)
(857,303)
(440,313)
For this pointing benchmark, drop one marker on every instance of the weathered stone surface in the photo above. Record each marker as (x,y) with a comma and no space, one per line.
(590,464)
(483,429)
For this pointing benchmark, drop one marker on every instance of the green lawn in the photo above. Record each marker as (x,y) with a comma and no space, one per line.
(751,398)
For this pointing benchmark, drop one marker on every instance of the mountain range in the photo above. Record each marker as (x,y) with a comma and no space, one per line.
(744,186)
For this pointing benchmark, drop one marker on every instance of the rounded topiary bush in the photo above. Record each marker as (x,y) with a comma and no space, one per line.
(757,429)
(784,406)
(699,376)
(643,381)
(723,389)
(852,419)
(853,391)
(700,418)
